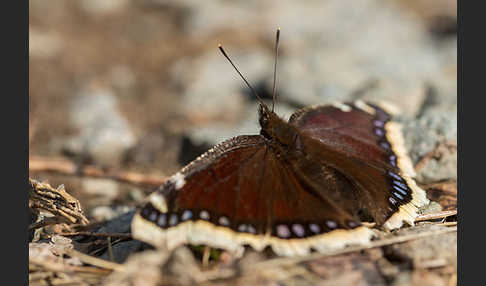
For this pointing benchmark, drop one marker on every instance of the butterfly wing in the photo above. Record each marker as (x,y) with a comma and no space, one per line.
(372,155)
(241,193)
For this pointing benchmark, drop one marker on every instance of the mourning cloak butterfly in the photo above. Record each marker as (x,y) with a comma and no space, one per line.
(299,185)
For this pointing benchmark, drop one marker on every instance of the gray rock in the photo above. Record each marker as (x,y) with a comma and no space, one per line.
(442,169)
(104,134)
(419,251)
(120,224)
(437,125)
(122,250)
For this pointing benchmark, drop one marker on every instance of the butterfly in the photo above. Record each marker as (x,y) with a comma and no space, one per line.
(300,185)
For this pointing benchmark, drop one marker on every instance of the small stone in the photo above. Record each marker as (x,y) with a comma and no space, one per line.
(101,187)
(43,44)
(142,268)
(122,77)
(104,213)
(183,267)
(104,135)
(103,7)
(432,207)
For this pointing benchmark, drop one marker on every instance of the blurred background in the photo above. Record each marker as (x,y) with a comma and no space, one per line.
(141,86)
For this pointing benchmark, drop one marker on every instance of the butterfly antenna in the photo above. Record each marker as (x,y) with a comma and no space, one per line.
(274,90)
(244,79)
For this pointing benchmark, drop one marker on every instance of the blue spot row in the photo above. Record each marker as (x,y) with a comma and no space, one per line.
(284,230)
(400,190)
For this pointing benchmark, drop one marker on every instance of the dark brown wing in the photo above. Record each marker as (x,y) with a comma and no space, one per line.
(358,132)
(368,149)
(241,193)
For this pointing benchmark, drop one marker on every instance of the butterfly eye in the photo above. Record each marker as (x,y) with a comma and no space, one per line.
(264,119)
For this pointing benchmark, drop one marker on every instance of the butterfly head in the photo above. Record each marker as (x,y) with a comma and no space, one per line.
(264,116)
(273,127)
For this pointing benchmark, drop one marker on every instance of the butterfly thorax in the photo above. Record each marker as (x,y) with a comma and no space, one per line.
(275,129)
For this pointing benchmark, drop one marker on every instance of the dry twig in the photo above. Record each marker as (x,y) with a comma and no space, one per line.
(103,234)
(58,202)
(442,214)
(66,167)
(95,261)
